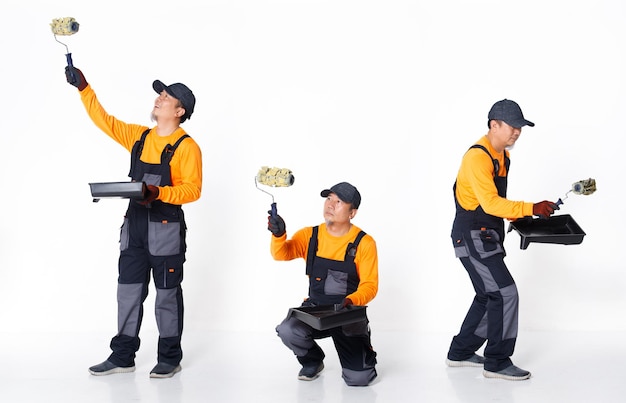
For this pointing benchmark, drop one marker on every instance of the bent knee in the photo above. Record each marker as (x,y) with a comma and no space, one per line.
(358,378)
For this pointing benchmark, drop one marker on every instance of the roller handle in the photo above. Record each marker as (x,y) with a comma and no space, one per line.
(68,56)
(559,202)
(274,210)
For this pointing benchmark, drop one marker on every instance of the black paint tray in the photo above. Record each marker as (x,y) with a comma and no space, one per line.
(325,317)
(129,190)
(559,229)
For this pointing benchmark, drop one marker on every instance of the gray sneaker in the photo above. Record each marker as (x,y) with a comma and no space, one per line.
(107,368)
(310,372)
(510,373)
(474,361)
(163,370)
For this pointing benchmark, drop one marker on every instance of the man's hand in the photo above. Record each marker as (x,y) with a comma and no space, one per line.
(152,193)
(544,209)
(275,225)
(75,77)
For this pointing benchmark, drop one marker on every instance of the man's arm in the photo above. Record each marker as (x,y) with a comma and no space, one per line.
(124,133)
(367,268)
(282,248)
(186,173)
(478,171)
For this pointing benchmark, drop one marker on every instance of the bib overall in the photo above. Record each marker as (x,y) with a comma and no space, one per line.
(152,239)
(478,242)
(330,281)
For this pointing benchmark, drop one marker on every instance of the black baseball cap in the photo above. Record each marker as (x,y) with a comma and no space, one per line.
(346,192)
(180,92)
(509,112)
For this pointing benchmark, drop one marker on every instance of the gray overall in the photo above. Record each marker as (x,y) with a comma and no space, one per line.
(330,282)
(478,242)
(152,239)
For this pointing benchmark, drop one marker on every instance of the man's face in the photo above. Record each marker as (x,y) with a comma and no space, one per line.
(166,106)
(506,134)
(337,211)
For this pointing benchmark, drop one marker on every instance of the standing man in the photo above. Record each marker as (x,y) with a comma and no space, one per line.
(478,235)
(152,239)
(342,265)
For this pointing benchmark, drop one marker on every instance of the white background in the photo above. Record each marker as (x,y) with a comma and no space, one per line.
(387,95)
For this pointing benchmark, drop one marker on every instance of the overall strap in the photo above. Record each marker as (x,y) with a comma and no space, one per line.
(168,153)
(136,152)
(496,163)
(351,249)
(312,250)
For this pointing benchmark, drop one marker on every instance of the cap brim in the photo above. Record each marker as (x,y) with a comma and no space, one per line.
(326,192)
(159,87)
(520,123)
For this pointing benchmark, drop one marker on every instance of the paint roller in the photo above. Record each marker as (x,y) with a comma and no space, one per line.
(582,187)
(273,177)
(65,26)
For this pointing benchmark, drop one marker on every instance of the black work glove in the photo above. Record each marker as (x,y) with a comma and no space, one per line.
(152,192)
(275,225)
(544,209)
(345,304)
(75,77)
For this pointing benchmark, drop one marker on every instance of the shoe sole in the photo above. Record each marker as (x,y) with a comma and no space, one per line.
(308,378)
(117,370)
(458,364)
(495,375)
(168,375)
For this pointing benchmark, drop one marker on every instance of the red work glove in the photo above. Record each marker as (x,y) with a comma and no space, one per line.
(346,302)
(544,209)
(152,193)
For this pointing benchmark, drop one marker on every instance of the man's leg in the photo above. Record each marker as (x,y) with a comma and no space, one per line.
(132,290)
(357,357)
(299,338)
(473,333)
(169,312)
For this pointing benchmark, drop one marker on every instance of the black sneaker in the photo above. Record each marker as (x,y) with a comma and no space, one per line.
(107,368)
(310,372)
(510,373)
(163,370)
(474,361)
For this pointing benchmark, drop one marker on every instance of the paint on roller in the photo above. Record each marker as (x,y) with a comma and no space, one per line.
(274,177)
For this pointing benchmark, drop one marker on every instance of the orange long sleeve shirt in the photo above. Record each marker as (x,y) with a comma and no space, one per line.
(475,185)
(331,247)
(186,164)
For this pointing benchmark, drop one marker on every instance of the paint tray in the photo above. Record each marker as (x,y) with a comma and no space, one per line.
(559,229)
(324,317)
(128,190)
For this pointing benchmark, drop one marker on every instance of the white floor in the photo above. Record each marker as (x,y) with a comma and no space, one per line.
(256,367)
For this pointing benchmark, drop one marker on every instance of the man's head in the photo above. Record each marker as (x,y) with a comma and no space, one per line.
(182,93)
(509,112)
(346,193)
(342,202)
